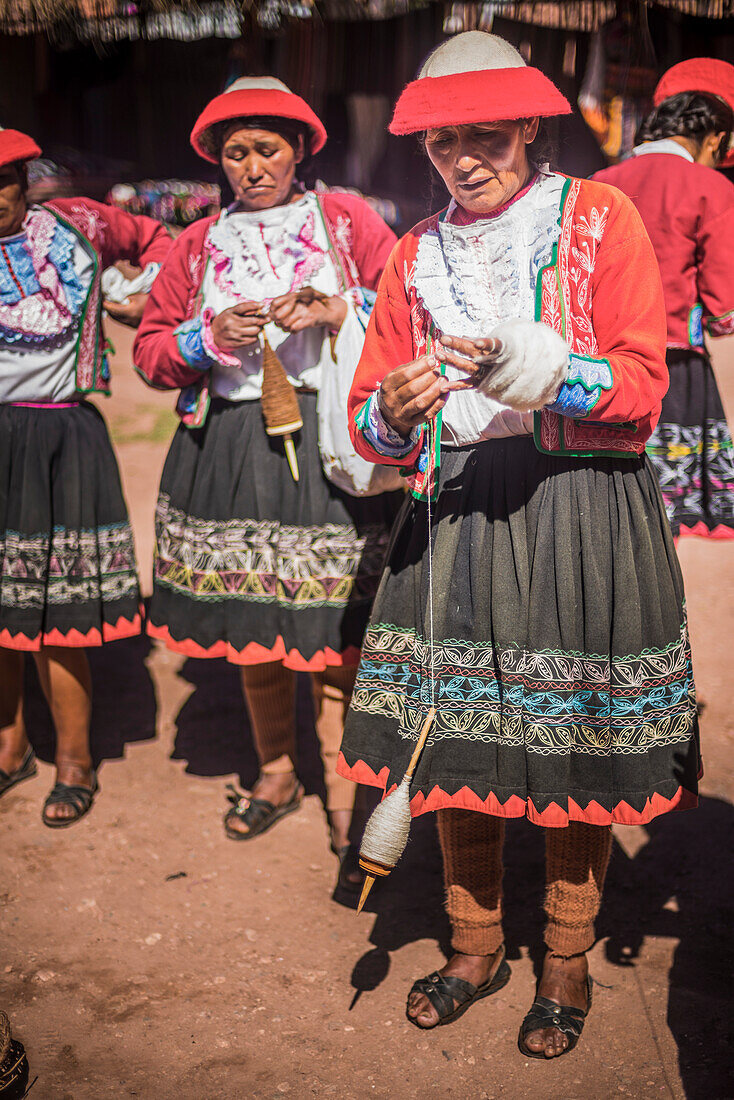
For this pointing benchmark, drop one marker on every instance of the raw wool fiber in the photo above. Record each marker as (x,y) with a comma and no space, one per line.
(281,412)
(386,833)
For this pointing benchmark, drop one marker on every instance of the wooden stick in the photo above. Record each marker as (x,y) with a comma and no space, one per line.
(369,882)
(420,743)
(290,454)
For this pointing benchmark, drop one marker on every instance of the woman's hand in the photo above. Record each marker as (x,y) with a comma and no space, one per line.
(129,312)
(308,308)
(414,393)
(475,357)
(238,326)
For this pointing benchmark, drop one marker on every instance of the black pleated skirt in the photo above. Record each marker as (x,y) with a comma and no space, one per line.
(251,565)
(68,575)
(692,451)
(561,668)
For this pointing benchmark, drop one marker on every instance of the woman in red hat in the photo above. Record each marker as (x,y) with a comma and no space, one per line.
(515,360)
(68,572)
(688,210)
(275,575)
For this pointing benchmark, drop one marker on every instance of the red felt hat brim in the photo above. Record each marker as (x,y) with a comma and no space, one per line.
(253,102)
(16,147)
(700,74)
(488,95)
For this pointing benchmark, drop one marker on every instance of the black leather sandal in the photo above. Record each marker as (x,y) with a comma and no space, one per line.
(451,996)
(347,892)
(258,814)
(70,794)
(545,1014)
(26,770)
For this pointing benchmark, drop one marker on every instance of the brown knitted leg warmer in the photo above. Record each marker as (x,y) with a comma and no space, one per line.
(576,861)
(270,692)
(471,846)
(332,692)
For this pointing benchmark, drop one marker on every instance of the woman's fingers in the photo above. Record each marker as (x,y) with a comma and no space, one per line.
(485,345)
(454,359)
(248,308)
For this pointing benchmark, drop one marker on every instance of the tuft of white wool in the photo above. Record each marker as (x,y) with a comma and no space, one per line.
(386,833)
(530,369)
(471,52)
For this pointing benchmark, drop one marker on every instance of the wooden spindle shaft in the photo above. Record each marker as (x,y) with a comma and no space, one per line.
(420,743)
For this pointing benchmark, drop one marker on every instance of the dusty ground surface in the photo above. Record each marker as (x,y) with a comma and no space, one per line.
(142,954)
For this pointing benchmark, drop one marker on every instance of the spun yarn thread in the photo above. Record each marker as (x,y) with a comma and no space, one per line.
(386,833)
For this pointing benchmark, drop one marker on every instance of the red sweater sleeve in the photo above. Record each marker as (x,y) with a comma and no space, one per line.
(372,240)
(116,234)
(157,351)
(388,344)
(716,259)
(629,319)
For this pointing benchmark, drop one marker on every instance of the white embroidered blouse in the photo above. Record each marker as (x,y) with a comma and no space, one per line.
(260,255)
(45,274)
(470,278)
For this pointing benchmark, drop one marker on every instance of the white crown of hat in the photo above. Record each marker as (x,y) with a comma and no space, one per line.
(258,83)
(470,52)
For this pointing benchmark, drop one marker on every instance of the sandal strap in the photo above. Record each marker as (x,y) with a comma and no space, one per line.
(70,794)
(446,993)
(544,1014)
(252,811)
(26,766)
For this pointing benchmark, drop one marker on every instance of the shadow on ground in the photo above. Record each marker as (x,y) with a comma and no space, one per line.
(123,701)
(213,731)
(679,885)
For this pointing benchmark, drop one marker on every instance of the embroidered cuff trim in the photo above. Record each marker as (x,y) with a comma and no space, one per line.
(721,326)
(196,344)
(380,436)
(582,389)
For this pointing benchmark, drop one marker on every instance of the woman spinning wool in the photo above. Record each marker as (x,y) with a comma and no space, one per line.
(69,578)
(688,210)
(525,324)
(274,574)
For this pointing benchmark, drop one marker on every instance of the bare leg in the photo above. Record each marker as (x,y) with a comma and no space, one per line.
(13,740)
(332,692)
(67,684)
(270,693)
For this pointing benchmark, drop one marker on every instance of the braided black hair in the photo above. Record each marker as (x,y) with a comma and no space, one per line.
(691,115)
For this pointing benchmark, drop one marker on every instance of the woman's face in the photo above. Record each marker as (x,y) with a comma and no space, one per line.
(260,166)
(483,164)
(12,200)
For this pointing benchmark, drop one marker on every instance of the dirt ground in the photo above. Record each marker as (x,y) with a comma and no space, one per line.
(144,955)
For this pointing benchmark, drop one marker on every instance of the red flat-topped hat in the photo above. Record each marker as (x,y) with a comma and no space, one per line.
(475,77)
(16,147)
(700,74)
(253,97)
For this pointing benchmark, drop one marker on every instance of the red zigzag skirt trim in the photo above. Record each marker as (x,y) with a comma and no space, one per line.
(74,639)
(552,817)
(256,654)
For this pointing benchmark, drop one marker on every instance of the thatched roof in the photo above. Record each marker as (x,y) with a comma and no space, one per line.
(108,20)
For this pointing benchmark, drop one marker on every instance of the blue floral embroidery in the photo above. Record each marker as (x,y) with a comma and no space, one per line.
(695,326)
(16,252)
(18,280)
(581,391)
(187,400)
(191,344)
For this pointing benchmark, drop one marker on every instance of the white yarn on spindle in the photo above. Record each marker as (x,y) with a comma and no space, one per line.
(387,830)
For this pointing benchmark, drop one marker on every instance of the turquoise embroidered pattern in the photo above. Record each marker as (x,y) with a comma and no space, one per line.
(580,392)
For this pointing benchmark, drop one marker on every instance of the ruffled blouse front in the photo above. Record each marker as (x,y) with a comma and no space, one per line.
(258,256)
(45,276)
(473,273)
